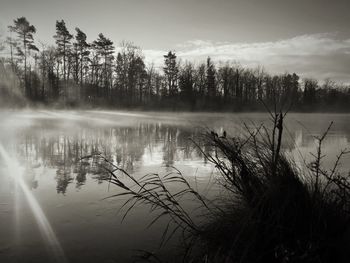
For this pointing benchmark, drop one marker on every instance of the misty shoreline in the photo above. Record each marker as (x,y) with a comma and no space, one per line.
(166,110)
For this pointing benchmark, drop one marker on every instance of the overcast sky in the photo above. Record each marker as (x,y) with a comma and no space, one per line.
(309,37)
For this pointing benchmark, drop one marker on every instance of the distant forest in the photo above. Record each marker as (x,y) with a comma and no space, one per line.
(76,73)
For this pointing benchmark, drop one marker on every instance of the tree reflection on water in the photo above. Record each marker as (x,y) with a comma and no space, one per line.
(128,147)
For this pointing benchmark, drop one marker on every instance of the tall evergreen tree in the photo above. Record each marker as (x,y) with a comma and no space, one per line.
(25,32)
(63,41)
(171,71)
(83,52)
(104,50)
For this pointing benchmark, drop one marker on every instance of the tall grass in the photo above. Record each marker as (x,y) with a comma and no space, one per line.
(272,211)
(277,212)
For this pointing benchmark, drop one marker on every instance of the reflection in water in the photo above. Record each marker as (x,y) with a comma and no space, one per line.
(48,234)
(70,189)
(80,179)
(63,178)
(128,147)
(29,178)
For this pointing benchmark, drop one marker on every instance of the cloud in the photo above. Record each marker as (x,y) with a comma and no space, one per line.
(318,55)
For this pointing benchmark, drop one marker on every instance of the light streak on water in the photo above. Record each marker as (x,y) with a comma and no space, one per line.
(16,172)
(17,212)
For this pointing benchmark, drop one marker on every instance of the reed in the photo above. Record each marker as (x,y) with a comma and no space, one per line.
(272,211)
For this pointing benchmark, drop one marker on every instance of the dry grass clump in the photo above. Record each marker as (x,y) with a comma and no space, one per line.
(272,212)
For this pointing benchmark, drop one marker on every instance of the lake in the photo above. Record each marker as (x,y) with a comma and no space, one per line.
(53,206)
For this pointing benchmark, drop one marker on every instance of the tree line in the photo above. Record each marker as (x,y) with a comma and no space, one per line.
(74,72)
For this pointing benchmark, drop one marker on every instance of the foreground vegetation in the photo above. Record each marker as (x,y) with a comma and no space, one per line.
(74,72)
(269,210)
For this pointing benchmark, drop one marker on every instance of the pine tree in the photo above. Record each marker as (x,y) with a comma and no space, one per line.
(25,32)
(63,38)
(104,49)
(171,71)
(83,52)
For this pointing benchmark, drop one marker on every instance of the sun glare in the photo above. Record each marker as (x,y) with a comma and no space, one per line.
(16,171)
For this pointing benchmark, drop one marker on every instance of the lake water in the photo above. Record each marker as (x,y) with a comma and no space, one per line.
(52,208)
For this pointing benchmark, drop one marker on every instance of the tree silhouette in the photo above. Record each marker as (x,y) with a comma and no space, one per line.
(171,71)
(82,73)
(104,50)
(25,32)
(63,41)
(83,52)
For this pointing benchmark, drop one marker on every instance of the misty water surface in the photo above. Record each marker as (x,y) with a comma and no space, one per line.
(44,148)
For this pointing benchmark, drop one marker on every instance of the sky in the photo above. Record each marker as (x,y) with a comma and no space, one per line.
(309,37)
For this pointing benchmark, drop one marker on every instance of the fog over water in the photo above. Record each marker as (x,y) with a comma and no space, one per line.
(51,201)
